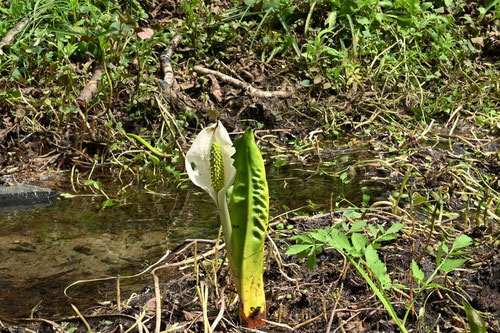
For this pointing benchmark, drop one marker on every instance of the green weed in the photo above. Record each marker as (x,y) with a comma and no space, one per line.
(361,244)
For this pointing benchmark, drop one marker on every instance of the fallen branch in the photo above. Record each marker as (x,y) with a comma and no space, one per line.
(90,90)
(166,63)
(7,39)
(168,85)
(249,89)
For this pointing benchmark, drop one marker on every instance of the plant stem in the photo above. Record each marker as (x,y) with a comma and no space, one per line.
(225,220)
(381,296)
(433,222)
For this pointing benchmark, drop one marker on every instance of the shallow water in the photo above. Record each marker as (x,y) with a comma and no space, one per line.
(44,250)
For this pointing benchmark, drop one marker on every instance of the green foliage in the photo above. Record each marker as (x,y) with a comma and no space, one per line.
(446,262)
(351,241)
(361,251)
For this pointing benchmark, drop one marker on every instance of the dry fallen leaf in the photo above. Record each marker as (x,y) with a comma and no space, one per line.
(216,92)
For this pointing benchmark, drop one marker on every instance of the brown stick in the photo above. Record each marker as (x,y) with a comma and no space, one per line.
(7,39)
(90,90)
(168,85)
(166,62)
(249,89)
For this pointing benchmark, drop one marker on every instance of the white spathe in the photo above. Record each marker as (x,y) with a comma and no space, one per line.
(198,160)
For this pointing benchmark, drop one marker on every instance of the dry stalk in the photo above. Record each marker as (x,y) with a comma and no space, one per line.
(342,277)
(157,301)
(167,117)
(85,322)
(221,311)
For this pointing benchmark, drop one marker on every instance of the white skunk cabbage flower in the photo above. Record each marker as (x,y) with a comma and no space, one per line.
(209,165)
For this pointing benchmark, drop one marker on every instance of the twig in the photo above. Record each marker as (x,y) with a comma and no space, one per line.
(279,261)
(288,327)
(342,276)
(425,131)
(249,89)
(313,319)
(164,113)
(90,90)
(166,62)
(50,322)
(9,36)
(158,301)
(118,294)
(168,85)
(138,323)
(85,322)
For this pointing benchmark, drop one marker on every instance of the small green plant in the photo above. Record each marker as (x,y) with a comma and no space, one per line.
(361,251)
(446,261)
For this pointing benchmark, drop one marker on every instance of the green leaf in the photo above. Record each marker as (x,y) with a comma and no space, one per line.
(305,83)
(320,235)
(461,242)
(373,230)
(439,254)
(352,213)
(377,267)
(476,323)
(359,241)
(297,248)
(339,240)
(394,228)
(109,203)
(155,159)
(363,20)
(311,262)
(358,226)
(419,199)
(451,264)
(386,238)
(365,200)
(418,274)
(279,163)
(344,177)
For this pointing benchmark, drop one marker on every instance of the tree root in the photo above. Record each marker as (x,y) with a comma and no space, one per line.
(249,89)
